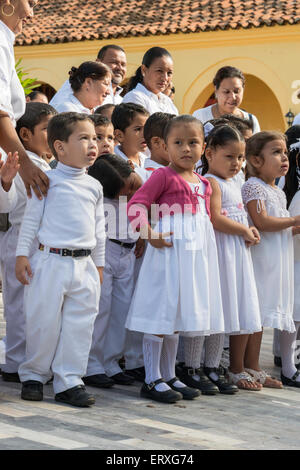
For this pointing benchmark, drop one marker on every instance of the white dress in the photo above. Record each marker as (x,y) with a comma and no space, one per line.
(205,114)
(294,209)
(273,258)
(178,288)
(239,293)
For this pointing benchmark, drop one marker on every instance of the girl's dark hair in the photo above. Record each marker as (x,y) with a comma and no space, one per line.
(183,119)
(219,136)
(228,72)
(291,180)
(255,145)
(149,57)
(90,69)
(111,171)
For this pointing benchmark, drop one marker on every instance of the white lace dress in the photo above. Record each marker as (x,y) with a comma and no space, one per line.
(273,258)
(239,294)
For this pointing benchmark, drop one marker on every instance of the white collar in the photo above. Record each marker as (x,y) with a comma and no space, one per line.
(159,97)
(8,33)
(35,158)
(76,101)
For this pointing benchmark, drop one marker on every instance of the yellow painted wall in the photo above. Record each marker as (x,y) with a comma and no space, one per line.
(268,56)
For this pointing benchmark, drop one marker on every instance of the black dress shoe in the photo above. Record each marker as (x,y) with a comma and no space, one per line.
(122,379)
(137,374)
(204,384)
(222,384)
(32,390)
(277,361)
(178,368)
(291,382)
(168,396)
(187,393)
(11,377)
(98,380)
(76,396)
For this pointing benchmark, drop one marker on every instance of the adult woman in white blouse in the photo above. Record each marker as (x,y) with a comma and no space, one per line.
(146,87)
(229,84)
(90,84)
(13,14)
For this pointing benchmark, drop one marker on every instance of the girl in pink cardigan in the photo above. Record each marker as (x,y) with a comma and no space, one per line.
(178,287)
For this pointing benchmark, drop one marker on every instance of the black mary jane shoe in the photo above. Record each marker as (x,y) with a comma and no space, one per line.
(291,382)
(168,396)
(76,396)
(204,384)
(137,374)
(98,381)
(187,393)
(222,384)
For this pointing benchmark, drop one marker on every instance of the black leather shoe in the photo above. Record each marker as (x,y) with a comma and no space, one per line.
(11,377)
(277,361)
(98,380)
(187,393)
(168,396)
(291,382)
(76,396)
(137,374)
(222,384)
(204,384)
(122,379)
(32,390)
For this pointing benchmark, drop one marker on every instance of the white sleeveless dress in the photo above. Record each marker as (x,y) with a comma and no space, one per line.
(178,288)
(273,258)
(239,294)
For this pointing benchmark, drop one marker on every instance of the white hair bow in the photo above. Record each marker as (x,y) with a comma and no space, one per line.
(208,127)
(295,146)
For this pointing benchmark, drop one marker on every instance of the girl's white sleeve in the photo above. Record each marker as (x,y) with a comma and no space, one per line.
(30,225)
(8,199)
(5,92)
(98,253)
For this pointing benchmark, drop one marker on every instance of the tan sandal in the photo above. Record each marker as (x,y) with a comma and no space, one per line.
(264,379)
(245,377)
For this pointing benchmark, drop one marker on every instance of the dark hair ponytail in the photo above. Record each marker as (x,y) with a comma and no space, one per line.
(149,57)
(90,69)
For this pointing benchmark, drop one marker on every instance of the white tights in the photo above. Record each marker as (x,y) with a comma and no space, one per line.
(287,348)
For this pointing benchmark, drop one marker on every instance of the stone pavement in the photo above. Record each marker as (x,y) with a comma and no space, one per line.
(121,420)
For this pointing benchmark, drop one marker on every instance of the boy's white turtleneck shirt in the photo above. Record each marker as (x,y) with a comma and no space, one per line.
(70,216)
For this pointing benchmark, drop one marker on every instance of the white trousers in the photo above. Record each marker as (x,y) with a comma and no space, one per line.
(276,342)
(110,336)
(60,304)
(13,299)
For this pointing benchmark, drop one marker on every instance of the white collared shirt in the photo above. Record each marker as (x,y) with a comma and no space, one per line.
(160,103)
(72,104)
(140,170)
(12,96)
(65,93)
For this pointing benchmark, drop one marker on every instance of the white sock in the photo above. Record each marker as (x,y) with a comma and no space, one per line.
(168,359)
(152,347)
(287,348)
(213,352)
(193,347)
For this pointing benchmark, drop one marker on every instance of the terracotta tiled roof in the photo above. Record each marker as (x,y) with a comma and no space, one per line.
(76,20)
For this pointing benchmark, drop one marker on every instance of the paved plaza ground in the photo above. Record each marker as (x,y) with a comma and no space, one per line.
(121,420)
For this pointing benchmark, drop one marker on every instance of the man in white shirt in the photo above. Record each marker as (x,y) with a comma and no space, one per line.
(115,58)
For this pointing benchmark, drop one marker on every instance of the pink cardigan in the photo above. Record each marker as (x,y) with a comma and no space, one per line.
(170,192)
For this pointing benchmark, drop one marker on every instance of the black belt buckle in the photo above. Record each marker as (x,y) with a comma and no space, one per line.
(65,252)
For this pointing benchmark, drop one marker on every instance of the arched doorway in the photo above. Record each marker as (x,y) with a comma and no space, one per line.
(259,99)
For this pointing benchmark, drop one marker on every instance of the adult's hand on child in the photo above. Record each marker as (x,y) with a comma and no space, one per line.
(9,169)
(34,178)
(139,248)
(23,270)
(100,272)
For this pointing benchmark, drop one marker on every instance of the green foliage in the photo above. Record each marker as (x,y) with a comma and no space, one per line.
(28,84)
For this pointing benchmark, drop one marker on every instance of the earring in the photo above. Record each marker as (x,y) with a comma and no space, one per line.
(12,11)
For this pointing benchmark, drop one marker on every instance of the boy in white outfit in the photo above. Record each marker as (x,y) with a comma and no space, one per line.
(69,225)
(32,130)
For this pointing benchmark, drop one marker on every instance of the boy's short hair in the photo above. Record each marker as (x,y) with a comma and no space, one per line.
(104,107)
(124,114)
(155,126)
(100,120)
(35,112)
(62,125)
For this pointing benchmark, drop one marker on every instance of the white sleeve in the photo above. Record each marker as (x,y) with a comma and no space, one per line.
(8,199)
(252,190)
(256,126)
(98,253)
(30,225)
(5,92)
(134,97)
